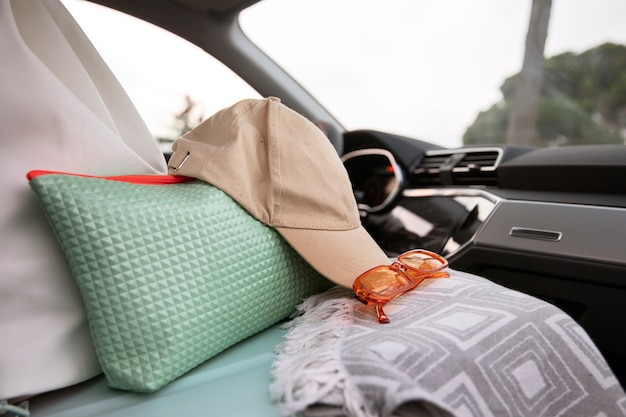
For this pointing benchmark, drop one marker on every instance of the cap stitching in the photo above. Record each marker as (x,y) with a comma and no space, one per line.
(274,155)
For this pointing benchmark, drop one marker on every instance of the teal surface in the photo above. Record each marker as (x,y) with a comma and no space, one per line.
(234,383)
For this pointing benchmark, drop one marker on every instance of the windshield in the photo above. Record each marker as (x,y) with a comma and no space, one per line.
(446,71)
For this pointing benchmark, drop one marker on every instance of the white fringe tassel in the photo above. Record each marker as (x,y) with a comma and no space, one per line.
(307,372)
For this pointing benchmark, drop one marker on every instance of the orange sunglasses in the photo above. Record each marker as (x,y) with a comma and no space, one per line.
(382,284)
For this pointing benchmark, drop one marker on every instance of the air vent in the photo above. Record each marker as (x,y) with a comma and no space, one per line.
(458,167)
(427,172)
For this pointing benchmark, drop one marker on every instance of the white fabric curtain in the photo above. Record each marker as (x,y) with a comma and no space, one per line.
(61,109)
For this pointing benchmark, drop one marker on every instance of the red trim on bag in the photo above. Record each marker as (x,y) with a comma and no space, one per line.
(145,179)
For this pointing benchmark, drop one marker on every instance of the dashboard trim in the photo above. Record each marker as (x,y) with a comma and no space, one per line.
(451,192)
(586,232)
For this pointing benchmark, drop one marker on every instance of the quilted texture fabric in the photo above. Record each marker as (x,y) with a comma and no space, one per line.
(170,275)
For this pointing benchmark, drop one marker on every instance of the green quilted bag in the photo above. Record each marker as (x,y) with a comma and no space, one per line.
(171,274)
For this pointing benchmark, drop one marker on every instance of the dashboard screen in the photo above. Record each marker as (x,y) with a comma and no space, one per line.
(375,178)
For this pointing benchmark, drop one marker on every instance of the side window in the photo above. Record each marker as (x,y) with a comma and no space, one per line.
(174,84)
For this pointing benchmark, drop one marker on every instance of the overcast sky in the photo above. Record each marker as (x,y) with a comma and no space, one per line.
(418,68)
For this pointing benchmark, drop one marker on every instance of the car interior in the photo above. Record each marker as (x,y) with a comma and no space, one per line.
(556,228)
(549,222)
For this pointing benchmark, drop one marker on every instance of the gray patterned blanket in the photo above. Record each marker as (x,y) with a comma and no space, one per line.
(462,346)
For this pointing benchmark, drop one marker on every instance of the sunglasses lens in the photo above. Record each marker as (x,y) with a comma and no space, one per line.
(384,282)
(423,261)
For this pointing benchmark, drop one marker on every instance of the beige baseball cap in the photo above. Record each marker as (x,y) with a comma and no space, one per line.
(284,171)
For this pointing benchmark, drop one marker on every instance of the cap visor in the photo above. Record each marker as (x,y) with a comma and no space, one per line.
(339,255)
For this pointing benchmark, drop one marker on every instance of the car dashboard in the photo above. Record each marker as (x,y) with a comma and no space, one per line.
(535,220)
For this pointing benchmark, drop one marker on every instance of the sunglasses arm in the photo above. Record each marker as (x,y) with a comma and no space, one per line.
(382,317)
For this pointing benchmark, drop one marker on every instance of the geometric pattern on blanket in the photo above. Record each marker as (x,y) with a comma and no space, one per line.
(463,346)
